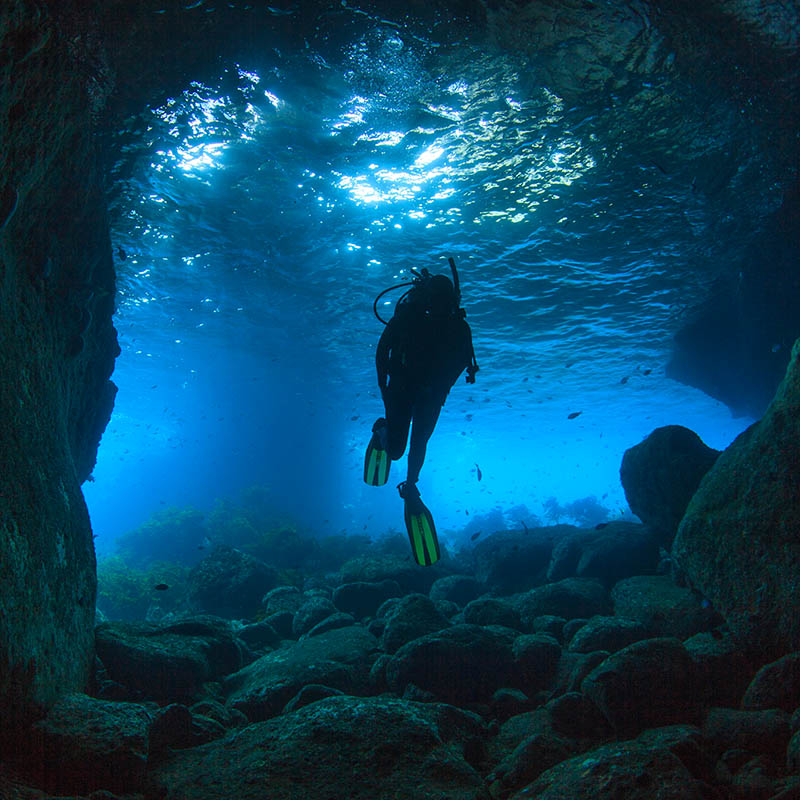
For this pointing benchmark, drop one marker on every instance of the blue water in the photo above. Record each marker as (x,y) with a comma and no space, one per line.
(265,209)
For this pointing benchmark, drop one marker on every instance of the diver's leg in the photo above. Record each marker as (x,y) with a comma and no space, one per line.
(426,414)
(398,420)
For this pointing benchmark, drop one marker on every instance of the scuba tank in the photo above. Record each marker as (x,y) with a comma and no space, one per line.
(415,295)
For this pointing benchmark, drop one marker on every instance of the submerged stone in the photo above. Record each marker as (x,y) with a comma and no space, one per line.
(739,542)
(361,748)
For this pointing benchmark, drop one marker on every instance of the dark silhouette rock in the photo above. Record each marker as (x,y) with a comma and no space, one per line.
(259,635)
(167,663)
(646,685)
(618,550)
(737,543)
(229,583)
(663,607)
(460,664)
(514,561)
(391,748)
(339,659)
(661,474)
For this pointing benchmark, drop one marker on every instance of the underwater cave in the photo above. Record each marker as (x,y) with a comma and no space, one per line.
(202,204)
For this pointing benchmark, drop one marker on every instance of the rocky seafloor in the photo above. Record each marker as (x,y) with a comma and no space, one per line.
(555,662)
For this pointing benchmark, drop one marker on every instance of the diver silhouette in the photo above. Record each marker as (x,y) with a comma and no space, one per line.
(425,346)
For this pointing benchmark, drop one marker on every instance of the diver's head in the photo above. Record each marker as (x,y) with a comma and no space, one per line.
(440,296)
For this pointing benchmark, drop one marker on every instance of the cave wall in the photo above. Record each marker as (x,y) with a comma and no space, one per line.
(57,351)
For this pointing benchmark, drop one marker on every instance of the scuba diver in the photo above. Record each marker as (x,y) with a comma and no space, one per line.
(425,346)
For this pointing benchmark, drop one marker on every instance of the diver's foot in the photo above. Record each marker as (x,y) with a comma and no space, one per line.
(409,492)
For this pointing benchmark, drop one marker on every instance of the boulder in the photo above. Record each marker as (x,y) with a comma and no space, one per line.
(660,475)
(375,569)
(460,664)
(607,633)
(409,618)
(574,716)
(338,620)
(569,598)
(313,611)
(167,663)
(458,589)
(362,598)
(492,611)
(721,670)
(646,685)
(739,542)
(536,658)
(663,607)
(339,659)
(614,551)
(515,561)
(229,583)
(629,770)
(758,732)
(282,599)
(386,747)
(529,759)
(775,685)
(85,744)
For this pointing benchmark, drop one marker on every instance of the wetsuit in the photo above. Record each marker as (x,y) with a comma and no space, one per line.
(419,358)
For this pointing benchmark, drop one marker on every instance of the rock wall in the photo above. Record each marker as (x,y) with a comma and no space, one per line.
(739,542)
(57,351)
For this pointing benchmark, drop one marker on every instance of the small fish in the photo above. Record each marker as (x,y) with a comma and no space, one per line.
(625,379)
(121,254)
(475,535)
(571,363)
(600,526)
(161,587)
(574,414)
(354,418)
(525,527)
(478,470)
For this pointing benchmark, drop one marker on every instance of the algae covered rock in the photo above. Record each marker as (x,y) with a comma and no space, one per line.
(634,770)
(739,542)
(460,664)
(85,744)
(361,748)
(167,663)
(230,583)
(661,474)
(645,685)
(662,606)
(339,659)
